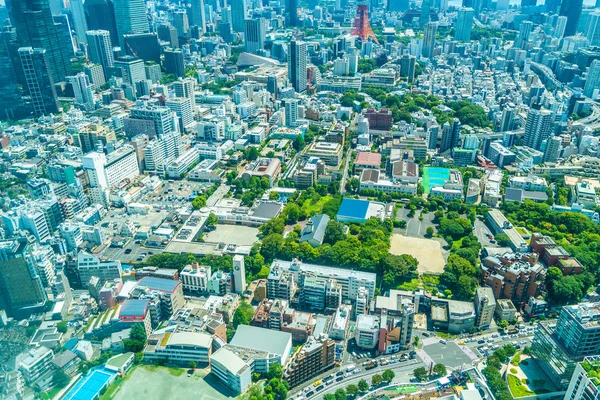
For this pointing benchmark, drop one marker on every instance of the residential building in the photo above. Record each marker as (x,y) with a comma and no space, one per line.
(505,310)
(239,274)
(485,306)
(195,278)
(452,316)
(329,153)
(538,127)
(89,265)
(231,369)
(531,182)
(297,62)
(316,356)
(366,332)
(584,383)
(35,363)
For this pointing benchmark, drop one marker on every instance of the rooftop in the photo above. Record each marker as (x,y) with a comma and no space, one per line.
(162,285)
(353,208)
(365,158)
(134,308)
(267,340)
(323,270)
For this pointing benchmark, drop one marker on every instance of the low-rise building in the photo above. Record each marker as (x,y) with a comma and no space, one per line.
(316,356)
(505,310)
(179,348)
(452,316)
(366,332)
(314,231)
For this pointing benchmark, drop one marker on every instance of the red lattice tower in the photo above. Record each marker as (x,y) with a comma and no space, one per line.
(362,27)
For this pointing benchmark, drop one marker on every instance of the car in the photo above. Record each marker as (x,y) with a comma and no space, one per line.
(319,388)
(310,393)
(492,241)
(140,259)
(339,379)
(426,334)
(127,251)
(339,373)
(356,370)
(481,341)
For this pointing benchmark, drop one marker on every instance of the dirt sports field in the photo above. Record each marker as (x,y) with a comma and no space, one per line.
(427,251)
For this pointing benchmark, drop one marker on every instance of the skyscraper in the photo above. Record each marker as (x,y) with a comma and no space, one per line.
(572,10)
(173,62)
(100,15)
(593,29)
(538,127)
(524,30)
(130,17)
(561,25)
(425,12)
(297,60)
(181,23)
(168,34)
(464,24)
(20,284)
(197,14)
(255,33)
(592,82)
(132,69)
(553,146)
(78,14)
(239,12)
(82,88)
(100,50)
(508,118)
(429,39)
(291,10)
(36,28)
(11,103)
(407,67)
(38,78)
(291,112)
(450,135)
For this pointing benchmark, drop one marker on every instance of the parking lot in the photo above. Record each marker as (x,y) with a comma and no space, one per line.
(233,234)
(482,232)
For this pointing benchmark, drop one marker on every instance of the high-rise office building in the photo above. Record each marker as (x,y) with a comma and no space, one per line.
(553,146)
(37,28)
(82,88)
(197,14)
(291,10)
(464,24)
(592,32)
(132,69)
(429,39)
(508,118)
(11,103)
(100,15)
(38,79)
(572,10)
(144,46)
(407,67)
(552,6)
(538,127)
(181,23)
(450,135)
(297,61)
(239,12)
(130,17)
(291,112)
(79,21)
(167,33)
(524,30)
(174,63)
(100,50)
(425,12)
(21,289)
(561,25)
(592,82)
(255,33)
(558,347)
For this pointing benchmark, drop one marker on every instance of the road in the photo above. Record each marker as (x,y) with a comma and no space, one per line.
(345,174)
(481,231)
(217,195)
(403,373)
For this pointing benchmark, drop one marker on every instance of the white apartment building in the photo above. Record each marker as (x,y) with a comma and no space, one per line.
(180,347)
(532,183)
(34,363)
(182,163)
(231,370)
(366,333)
(195,277)
(89,265)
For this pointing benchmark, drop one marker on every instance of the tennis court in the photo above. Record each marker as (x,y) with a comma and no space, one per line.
(90,386)
(434,176)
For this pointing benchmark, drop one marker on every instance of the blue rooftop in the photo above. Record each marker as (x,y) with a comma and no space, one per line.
(134,308)
(162,285)
(353,209)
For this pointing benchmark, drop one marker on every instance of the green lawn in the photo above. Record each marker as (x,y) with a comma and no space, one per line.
(49,395)
(410,285)
(311,208)
(518,388)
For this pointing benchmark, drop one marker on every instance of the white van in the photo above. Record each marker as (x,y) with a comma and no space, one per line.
(443,341)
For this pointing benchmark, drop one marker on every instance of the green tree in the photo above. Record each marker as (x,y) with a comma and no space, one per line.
(503,324)
(62,327)
(212,220)
(192,365)
(340,394)
(334,232)
(429,231)
(388,375)
(502,239)
(299,143)
(252,153)
(275,371)
(421,373)
(440,369)
(376,380)
(363,386)
(60,379)
(329,396)
(199,202)
(352,390)
(243,314)
(293,213)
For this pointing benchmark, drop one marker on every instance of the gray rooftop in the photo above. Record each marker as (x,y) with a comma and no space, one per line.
(253,337)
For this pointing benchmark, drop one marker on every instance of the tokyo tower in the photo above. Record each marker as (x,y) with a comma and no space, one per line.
(362,27)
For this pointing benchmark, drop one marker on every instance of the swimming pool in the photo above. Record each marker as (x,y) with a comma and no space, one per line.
(434,176)
(90,386)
